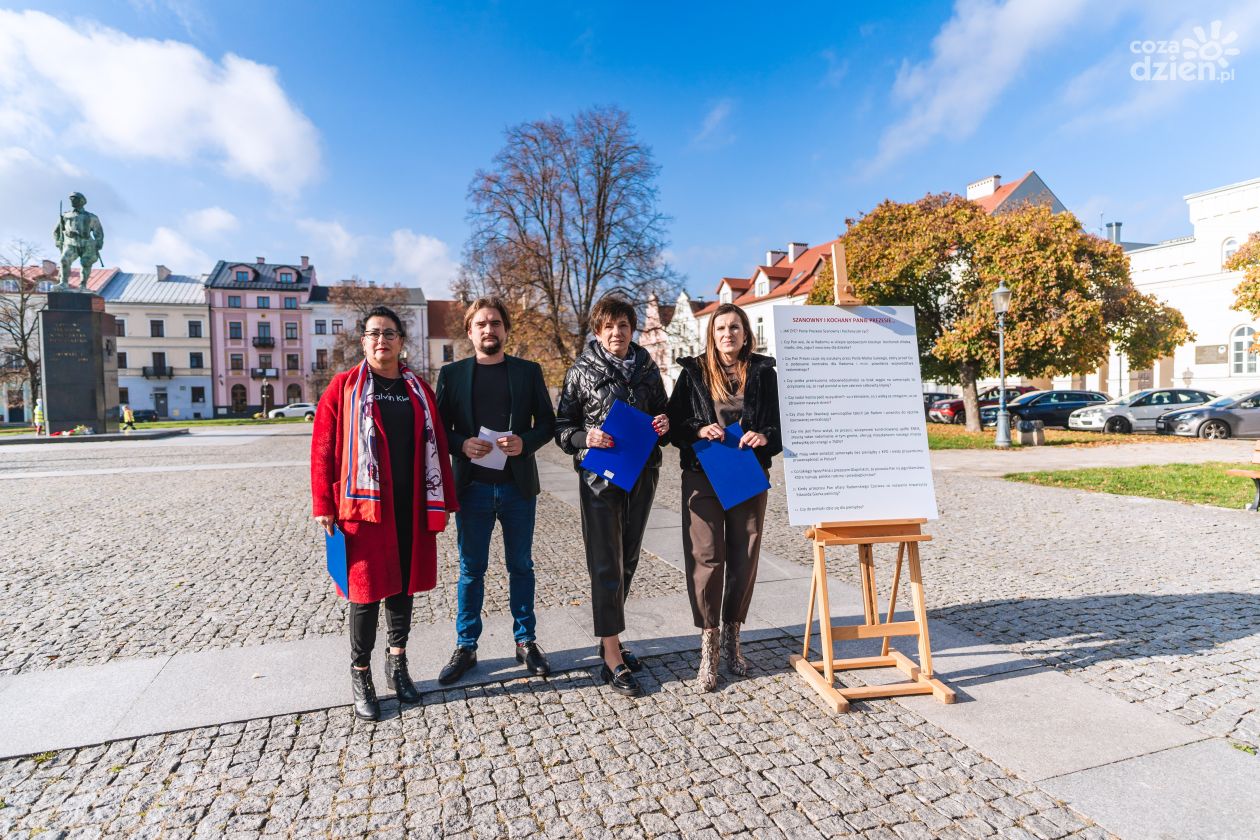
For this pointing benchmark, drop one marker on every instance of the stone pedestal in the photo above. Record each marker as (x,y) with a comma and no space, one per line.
(79,363)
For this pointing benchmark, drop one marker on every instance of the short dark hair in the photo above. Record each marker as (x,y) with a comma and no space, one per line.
(487,303)
(610,308)
(383,312)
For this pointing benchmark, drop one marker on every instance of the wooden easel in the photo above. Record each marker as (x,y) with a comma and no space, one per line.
(907,533)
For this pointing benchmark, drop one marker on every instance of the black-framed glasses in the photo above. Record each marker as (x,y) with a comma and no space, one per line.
(388,335)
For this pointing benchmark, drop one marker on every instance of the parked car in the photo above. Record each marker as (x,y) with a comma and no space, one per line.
(930,397)
(144,415)
(1052,408)
(306,410)
(1237,415)
(952,411)
(1136,412)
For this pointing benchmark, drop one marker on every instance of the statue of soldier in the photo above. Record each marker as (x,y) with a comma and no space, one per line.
(79,236)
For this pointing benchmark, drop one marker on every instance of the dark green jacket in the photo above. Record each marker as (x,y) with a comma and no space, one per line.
(532,417)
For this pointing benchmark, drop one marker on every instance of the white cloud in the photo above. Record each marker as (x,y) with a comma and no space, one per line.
(210,222)
(837,68)
(167,247)
(714,129)
(32,185)
(150,99)
(425,261)
(975,57)
(333,240)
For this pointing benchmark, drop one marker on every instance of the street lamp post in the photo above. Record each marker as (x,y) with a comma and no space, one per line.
(1001,300)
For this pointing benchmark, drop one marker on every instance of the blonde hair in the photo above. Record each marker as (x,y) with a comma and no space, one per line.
(711,363)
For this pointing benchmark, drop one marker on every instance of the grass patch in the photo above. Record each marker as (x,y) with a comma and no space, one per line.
(1247,748)
(44,757)
(944,436)
(1204,484)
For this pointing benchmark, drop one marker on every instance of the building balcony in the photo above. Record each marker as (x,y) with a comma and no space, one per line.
(158,372)
(264,341)
(264,373)
(316,367)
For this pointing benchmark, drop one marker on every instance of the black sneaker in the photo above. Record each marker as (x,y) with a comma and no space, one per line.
(464,659)
(532,657)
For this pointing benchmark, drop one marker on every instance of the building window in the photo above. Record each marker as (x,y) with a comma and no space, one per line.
(321,359)
(264,302)
(159,361)
(8,284)
(195,360)
(194,329)
(321,328)
(448,352)
(290,331)
(235,330)
(763,286)
(286,277)
(290,303)
(44,286)
(336,328)
(234,301)
(122,359)
(293,394)
(1244,360)
(761,334)
(236,362)
(291,361)
(264,360)
(120,327)
(242,277)
(264,329)
(124,396)
(198,393)
(1228,249)
(725,297)
(157,329)
(238,399)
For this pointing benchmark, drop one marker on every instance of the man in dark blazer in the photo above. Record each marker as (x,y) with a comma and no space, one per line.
(493,401)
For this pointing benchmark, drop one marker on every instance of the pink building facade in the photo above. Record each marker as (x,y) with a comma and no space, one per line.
(261,328)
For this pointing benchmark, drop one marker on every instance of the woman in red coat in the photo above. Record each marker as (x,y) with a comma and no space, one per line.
(380,471)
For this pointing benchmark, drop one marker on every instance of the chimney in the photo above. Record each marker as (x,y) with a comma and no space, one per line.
(983,187)
(795,249)
(50,268)
(163,272)
(1116,239)
(262,260)
(306,263)
(773,256)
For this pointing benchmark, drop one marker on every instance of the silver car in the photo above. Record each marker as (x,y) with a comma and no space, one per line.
(1136,412)
(1237,415)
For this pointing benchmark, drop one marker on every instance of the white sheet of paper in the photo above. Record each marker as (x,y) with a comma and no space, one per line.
(496,458)
(851,406)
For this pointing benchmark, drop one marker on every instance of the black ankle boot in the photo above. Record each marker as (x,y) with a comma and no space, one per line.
(366,706)
(397,678)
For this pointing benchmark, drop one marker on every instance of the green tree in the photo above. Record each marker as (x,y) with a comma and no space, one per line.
(1071,297)
(1247,293)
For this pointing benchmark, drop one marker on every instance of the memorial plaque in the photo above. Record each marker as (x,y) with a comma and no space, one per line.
(1210,354)
(851,407)
(79,363)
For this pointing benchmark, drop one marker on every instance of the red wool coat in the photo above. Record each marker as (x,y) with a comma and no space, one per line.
(372,547)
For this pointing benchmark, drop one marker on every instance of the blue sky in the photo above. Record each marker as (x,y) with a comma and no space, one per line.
(350,132)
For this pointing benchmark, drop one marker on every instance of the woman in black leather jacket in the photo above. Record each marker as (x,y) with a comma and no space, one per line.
(612,367)
(726,384)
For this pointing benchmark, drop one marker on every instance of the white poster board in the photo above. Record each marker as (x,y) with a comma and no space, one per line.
(851,408)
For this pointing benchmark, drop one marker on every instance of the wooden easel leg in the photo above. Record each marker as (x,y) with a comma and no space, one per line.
(892,597)
(920,611)
(824,614)
(809,612)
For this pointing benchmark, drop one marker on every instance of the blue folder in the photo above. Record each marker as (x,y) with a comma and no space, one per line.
(338,566)
(633,439)
(736,474)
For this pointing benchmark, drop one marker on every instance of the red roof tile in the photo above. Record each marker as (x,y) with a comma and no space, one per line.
(991,202)
(797,277)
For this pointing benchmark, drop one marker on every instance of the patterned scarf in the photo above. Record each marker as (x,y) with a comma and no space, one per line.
(361,485)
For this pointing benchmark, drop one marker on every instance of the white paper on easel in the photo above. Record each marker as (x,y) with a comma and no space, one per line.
(496,458)
(851,409)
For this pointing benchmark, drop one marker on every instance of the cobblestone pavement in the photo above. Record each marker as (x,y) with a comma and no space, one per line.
(1156,602)
(547,758)
(131,558)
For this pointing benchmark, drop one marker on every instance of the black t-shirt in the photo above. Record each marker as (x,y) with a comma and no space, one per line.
(398,420)
(492,408)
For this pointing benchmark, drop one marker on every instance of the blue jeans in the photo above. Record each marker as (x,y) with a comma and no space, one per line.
(479,506)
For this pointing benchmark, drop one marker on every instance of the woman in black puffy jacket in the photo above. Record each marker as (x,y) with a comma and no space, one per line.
(726,384)
(611,368)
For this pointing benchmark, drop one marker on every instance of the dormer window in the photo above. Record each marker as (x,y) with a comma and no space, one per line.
(9,284)
(763,286)
(242,276)
(44,286)
(725,295)
(286,277)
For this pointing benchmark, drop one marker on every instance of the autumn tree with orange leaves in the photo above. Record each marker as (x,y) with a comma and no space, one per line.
(1071,296)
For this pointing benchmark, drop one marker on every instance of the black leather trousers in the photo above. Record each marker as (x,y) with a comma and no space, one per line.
(613,522)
